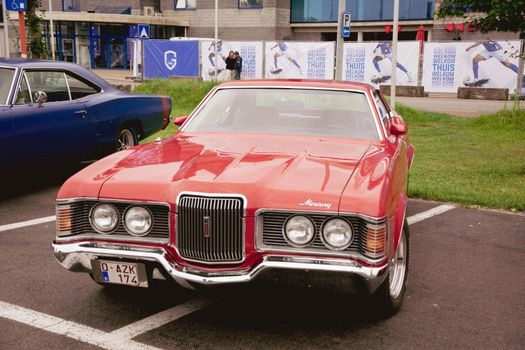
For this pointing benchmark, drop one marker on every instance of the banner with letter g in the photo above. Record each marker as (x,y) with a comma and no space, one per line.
(166,58)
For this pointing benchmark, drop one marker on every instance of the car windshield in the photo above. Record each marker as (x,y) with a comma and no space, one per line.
(287,111)
(6,77)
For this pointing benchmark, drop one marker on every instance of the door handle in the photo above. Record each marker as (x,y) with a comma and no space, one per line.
(81,114)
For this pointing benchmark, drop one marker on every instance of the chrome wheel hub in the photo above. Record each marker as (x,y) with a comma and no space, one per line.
(397,269)
(125,139)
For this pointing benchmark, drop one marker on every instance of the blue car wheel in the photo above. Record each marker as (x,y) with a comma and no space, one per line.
(127,137)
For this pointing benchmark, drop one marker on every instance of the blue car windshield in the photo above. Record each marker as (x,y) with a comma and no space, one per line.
(6,77)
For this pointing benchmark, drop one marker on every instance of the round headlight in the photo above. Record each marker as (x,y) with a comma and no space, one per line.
(337,234)
(137,221)
(299,230)
(104,218)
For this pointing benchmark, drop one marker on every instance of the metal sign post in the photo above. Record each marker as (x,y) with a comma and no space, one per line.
(143,34)
(6,24)
(216,37)
(394,56)
(340,42)
(520,84)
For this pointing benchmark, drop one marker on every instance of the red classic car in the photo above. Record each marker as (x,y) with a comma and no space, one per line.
(295,180)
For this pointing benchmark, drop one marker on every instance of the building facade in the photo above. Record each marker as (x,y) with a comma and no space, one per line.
(97,33)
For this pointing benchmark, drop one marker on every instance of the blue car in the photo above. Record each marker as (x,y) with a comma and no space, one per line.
(56,111)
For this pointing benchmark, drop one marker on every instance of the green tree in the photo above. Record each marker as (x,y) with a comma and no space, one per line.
(488,15)
(37,46)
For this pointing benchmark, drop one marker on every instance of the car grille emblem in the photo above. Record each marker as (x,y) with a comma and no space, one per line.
(206,227)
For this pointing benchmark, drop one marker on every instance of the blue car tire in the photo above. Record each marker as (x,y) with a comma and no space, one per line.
(127,137)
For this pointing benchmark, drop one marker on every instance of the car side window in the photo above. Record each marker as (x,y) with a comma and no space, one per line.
(52,83)
(24,94)
(383,112)
(79,88)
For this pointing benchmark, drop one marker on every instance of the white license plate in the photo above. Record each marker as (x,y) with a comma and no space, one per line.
(129,274)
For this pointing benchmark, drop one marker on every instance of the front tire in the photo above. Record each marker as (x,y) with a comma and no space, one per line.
(127,137)
(389,296)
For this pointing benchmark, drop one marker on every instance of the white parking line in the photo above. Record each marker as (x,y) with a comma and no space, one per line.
(160,319)
(69,329)
(27,223)
(429,213)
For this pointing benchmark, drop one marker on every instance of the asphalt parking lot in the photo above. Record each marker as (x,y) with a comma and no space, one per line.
(465,290)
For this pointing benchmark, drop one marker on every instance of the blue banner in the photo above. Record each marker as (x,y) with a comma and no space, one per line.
(166,58)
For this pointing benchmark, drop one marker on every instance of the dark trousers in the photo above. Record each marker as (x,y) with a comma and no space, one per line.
(237,74)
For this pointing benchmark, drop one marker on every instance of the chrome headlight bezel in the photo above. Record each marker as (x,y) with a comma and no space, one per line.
(126,224)
(349,231)
(289,240)
(92,219)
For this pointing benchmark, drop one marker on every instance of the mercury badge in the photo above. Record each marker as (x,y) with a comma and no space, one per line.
(206,227)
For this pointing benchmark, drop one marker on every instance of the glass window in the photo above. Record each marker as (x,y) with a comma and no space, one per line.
(6,78)
(71,5)
(368,10)
(185,4)
(24,95)
(383,112)
(52,83)
(250,4)
(79,88)
(362,10)
(287,111)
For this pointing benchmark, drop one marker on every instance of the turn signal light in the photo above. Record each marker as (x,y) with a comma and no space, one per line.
(376,240)
(64,223)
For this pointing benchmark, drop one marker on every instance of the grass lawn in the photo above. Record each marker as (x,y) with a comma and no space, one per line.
(473,161)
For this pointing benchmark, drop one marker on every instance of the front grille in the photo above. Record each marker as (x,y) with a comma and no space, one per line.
(80,224)
(272,232)
(210,229)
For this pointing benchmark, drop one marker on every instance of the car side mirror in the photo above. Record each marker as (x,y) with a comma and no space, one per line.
(40,97)
(180,120)
(398,129)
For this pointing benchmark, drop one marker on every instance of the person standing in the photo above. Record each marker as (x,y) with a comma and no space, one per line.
(238,65)
(230,66)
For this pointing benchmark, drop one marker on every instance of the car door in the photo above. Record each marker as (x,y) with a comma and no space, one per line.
(57,129)
(398,164)
(7,75)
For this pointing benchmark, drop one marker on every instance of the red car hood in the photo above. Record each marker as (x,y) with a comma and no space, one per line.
(271,171)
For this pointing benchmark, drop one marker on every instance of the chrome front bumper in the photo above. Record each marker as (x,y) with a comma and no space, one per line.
(77,257)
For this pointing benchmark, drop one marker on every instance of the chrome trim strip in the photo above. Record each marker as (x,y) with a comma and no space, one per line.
(204,195)
(67,84)
(80,199)
(77,257)
(374,219)
(214,194)
(381,136)
(112,238)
